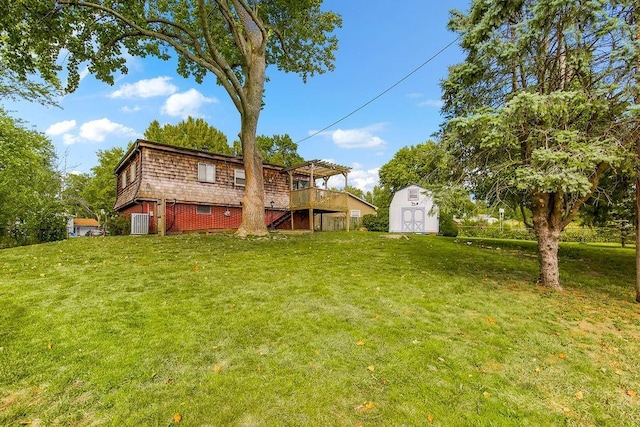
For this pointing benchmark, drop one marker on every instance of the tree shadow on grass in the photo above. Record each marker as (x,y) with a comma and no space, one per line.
(597,270)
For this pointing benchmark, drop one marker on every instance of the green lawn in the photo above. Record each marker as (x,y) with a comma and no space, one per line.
(310,330)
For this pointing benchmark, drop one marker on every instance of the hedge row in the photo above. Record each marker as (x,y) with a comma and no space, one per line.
(584,235)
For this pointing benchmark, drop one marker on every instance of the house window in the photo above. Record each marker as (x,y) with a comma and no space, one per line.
(238,177)
(123,178)
(414,194)
(206,172)
(299,184)
(355,213)
(133,171)
(203,210)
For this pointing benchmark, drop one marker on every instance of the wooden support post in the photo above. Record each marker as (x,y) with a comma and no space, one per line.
(160,215)
(311,219)
(346,200)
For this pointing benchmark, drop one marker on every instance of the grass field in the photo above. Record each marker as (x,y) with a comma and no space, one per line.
(311,330)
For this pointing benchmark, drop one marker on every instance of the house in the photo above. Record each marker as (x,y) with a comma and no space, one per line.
(80,226)
(412,211)
(357,208)
(167,189)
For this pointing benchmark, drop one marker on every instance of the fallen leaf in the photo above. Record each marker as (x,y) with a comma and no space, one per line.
(632,393)
(430,418)
(360,342)
(486,394)
(367,406)
(562,356)
(371,368)
(217,369)
(24,423)
(177,418)
(491,320)
(49,346)
(384,382)
(579,395)
(196,268)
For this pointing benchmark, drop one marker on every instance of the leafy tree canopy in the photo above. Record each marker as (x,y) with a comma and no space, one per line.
(189,133)
(30,209)
(276,149)
(100,192)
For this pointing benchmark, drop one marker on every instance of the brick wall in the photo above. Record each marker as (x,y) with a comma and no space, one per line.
(145,208)
(182,217)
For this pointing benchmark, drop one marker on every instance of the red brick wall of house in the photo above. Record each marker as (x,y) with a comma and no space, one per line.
(143,207)
(184,217)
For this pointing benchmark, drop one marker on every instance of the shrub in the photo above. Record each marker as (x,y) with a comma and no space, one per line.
(447,226)
(375,222)
(118,225)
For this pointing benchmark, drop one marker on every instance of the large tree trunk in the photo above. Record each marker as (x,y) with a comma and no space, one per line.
(637,221)
(253,200)
(636,136)
(546,217)
(548,240)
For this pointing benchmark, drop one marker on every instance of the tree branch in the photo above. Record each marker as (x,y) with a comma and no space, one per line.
(524,216)
(571,213)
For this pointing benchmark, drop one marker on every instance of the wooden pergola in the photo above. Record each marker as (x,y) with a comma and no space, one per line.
(313,198)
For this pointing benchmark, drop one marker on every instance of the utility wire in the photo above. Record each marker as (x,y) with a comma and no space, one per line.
(381,93)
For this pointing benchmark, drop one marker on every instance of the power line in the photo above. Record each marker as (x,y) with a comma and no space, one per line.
(381,93)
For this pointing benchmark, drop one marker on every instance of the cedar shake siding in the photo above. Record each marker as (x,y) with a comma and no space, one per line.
(201,190)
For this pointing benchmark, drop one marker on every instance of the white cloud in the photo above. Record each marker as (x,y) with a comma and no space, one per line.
(84,73)
(185,104)
(69,139)
(364,179)
(357,138)
(431,103)
(414,95)
(128,110)
(60,127)
(98,130)
(148,88)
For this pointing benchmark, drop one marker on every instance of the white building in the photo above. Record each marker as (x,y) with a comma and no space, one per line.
(412,211)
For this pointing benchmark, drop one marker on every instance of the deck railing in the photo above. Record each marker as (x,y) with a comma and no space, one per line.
(318,198)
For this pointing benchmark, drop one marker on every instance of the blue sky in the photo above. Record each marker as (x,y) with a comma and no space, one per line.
(380,43)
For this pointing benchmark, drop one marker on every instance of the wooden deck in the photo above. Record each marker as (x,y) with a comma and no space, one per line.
(318,199)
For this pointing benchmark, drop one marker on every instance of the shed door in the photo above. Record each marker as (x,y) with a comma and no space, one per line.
(413,220)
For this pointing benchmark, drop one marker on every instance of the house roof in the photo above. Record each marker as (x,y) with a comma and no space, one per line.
(318,169)
(85,222)
(362,200)
(187,151)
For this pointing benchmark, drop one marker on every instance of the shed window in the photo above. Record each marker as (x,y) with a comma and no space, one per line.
(355,213)
(206,172)
(203,210)
(123,179)
(238,177)
(414,194)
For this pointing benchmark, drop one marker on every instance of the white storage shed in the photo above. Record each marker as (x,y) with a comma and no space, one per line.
(412,211)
